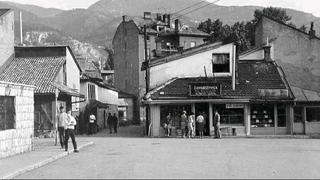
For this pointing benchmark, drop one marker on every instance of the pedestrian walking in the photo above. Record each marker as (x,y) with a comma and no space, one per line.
(92,119)
(109,123)
(168,124)
(184,122)
(70,123)
(216,124)
(200,121)
(191,120)
(62,118)
(115,123)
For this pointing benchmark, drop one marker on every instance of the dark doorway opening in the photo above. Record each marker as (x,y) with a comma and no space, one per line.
(203,108)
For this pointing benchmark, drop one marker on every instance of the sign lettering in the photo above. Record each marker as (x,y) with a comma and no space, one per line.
(199,89)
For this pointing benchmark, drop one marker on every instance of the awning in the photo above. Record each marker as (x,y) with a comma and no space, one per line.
(67,90)
(305,95)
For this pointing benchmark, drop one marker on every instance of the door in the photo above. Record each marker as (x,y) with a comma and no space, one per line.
(203,108)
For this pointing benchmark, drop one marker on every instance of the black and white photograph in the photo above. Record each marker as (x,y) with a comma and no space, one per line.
(159,89)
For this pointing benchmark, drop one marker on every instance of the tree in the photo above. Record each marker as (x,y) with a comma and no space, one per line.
(215,29)
(273,12)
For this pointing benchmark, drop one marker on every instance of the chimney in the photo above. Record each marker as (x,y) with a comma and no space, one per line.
(267,52)
(147,15)
(312,32)
(169,20)
(176,25)
(159,17)
(21,34)
(124,18)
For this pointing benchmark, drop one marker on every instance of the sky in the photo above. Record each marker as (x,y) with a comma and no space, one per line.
(310,6)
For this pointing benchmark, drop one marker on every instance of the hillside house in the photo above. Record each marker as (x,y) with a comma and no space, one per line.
(163,37)
(251,96)
(298,54)
(55,73)
(101,100)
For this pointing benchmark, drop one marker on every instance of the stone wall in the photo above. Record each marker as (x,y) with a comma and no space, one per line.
(18,140)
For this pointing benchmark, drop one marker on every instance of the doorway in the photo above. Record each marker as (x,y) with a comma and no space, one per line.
(203,108)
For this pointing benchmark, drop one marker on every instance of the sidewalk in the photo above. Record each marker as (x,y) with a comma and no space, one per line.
(44,152)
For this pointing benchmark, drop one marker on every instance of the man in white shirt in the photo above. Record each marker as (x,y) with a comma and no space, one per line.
(92,119)
(70,123)
(62,118)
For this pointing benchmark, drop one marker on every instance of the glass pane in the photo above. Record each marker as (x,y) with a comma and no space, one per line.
(298,116)
(313,114)
(282,120)
(262,115)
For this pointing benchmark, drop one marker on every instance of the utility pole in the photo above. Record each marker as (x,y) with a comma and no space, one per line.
(147,76)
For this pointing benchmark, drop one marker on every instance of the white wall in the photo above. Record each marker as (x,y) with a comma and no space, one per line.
(191,66)
(6,36)
(107,96)
(73,78)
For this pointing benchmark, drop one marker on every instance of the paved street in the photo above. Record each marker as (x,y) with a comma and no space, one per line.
(123,157)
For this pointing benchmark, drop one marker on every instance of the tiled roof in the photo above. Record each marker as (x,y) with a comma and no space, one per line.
(89,69)
(37,71)
(253,75)
(3,11)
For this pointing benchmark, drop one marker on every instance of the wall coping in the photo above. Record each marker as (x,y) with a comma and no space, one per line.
(16,84)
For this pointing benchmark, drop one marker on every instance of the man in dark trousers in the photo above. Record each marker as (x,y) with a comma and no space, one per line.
(70,123)
(62,118)
(216,124)
(115,123)
(109,122)
(92,119)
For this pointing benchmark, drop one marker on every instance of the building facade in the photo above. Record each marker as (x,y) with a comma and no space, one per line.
(55,73)
(16,118)
(297,53)
(251,96)
(163,38)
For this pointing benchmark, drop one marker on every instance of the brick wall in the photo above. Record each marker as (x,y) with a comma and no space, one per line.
(18,140)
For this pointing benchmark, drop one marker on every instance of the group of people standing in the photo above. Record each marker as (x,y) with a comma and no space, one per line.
(189,124)
(113,123)
(66,129)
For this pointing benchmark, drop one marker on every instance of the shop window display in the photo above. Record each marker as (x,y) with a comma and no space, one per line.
(262,116)
(175,111)
(231,117)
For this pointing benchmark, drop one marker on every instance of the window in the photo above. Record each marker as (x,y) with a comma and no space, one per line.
(262,115)
(313,114)
(91,91)
(230,116)
(7,113)
(282,117)
(193,44)
(298,115)
(220,63)
(175,111)
(64,74)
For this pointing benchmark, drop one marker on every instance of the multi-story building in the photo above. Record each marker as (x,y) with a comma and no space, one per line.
(298,53)
(163,38)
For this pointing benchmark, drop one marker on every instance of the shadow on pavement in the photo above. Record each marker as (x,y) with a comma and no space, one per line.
(127,132)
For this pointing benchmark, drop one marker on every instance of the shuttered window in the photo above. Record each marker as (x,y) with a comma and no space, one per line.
(7,113)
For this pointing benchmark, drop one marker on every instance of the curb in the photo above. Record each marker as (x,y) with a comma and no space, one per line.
(42,163)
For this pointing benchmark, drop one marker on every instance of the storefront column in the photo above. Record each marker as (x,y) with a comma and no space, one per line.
(304,119)
(155,120)
(275,111)
(210,119)
(247,118)
(290,116)
(193,108)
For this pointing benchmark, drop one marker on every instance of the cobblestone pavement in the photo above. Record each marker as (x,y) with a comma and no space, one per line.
(122,157)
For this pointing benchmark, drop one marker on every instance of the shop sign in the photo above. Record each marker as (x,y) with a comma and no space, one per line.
(201,89)
(234,106)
